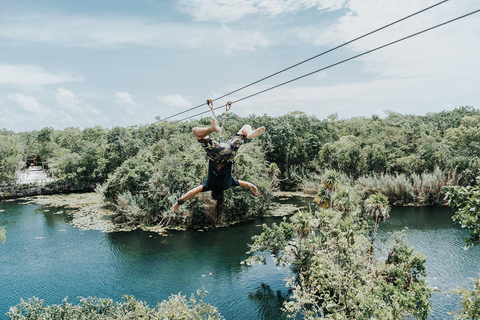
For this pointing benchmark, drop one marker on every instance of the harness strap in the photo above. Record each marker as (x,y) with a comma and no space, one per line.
(210,104)
(233,167)
(228,106)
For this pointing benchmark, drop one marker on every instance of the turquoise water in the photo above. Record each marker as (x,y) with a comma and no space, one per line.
(45,256)
(433,233)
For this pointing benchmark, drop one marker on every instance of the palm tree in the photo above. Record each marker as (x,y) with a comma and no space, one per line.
(323,198)
(329,185)
(330,181)
(343,200)
(378,208)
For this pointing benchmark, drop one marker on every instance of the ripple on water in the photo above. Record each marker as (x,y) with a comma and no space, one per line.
(433,233)
(69,262)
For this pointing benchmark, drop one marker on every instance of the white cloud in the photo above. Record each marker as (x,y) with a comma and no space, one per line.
(32,115)
(113,32)
(175,100)
(404,95)
(27,103)
(125,99)
(243,40)
(233,10)
(29,75)
(435,70)
(441,52)
(72,105)
(67,99)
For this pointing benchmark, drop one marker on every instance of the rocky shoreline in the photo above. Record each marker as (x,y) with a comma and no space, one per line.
(89,212)
(18,191)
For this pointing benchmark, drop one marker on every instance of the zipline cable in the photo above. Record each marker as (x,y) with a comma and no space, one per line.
(308,74)
(306,60)
(299,63)
(340,62)
(357,56)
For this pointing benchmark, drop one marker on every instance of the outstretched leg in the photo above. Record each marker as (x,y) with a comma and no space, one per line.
(190,194)
(202,133)
(247,131)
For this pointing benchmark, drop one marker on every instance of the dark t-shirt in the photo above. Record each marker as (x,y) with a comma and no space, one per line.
(219,180)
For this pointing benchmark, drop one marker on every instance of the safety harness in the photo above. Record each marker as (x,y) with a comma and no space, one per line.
(228,106)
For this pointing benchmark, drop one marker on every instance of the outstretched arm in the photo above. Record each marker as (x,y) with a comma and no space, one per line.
(248,185)
(190,194)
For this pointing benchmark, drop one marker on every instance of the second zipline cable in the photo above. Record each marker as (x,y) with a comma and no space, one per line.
(303,76)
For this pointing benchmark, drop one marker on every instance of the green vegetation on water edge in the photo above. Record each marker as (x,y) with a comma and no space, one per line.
(142,170)
(175,308)
(355,167)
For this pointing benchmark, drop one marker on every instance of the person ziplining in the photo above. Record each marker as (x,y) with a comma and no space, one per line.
(220,159)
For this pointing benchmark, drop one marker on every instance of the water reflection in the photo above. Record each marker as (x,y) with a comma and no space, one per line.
(217,251)
(433,233)
(186,261)
(269,303)
(53,216)
(45,256)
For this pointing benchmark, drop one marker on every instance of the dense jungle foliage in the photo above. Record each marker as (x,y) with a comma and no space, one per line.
(356,168)
(470,302)
(465,202)
(337,273)
(142,170)
(336,277)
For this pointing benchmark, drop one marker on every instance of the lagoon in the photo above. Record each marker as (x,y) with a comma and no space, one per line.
(46,257)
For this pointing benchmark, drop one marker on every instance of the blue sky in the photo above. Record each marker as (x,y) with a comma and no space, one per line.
(109,63)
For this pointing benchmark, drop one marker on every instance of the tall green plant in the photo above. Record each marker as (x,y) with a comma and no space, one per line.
(470,302)
(329,184)
(465,202)
(378,208)
(334,275)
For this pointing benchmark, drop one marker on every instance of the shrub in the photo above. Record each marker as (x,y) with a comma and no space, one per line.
(144,188)
(470,302)
(465,202)
(423,189)
(336,277)
(176,307)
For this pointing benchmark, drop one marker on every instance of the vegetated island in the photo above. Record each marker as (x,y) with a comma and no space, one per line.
(89,212)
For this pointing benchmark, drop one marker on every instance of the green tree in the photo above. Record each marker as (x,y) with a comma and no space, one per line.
(465,139)
(465,202)
(329,185)
(470,302)
(334,275)
(377,207)
(344,155)
(10,156)
(144,187)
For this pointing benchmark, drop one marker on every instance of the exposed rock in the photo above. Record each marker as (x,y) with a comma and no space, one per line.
(89,212)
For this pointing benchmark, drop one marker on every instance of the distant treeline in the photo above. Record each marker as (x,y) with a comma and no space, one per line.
(145,168)
(295,142)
